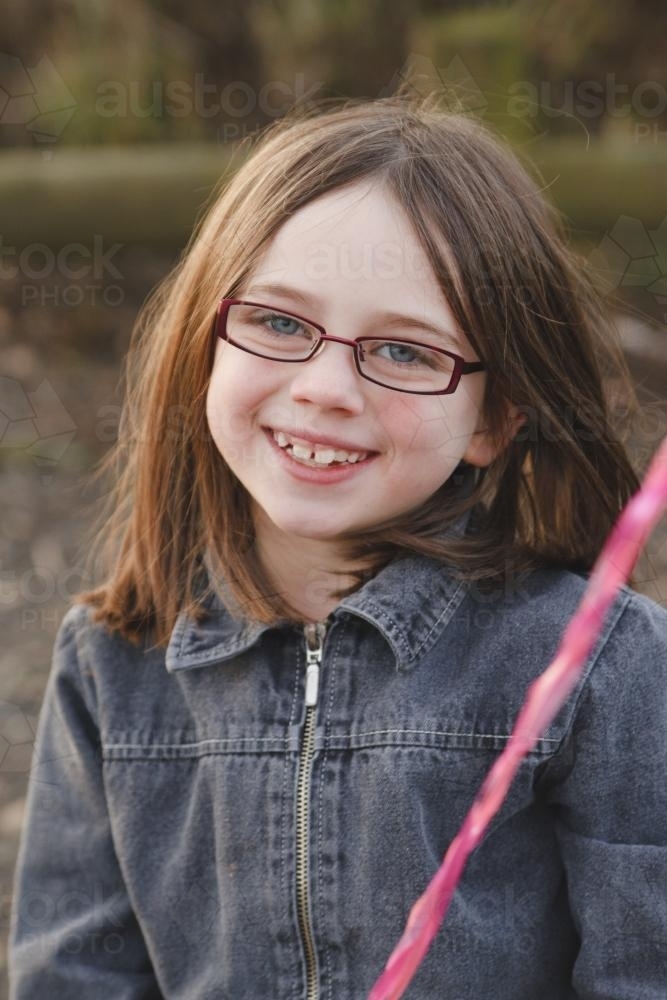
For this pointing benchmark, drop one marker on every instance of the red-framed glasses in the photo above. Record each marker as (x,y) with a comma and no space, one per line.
(277,335)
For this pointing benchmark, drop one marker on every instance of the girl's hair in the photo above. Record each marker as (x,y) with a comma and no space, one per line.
(175,510)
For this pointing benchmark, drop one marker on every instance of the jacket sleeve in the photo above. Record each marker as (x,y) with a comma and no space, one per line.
(73,931)
(608,791)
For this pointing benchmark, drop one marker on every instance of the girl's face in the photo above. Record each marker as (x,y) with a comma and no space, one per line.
(352,256)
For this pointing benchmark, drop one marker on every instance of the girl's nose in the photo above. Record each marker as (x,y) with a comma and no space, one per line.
(330,379)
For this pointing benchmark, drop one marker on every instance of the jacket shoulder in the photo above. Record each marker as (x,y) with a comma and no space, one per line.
(639,635)
(516,635)
(550,598)
(85,651)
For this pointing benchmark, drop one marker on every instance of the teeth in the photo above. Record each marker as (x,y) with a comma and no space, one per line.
(321,456)
(325,457)
(299,451)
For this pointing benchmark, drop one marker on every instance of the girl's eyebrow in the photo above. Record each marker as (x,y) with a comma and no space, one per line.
(392,319)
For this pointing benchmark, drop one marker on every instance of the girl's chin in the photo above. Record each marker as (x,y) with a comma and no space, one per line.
(298,530)
(298,527)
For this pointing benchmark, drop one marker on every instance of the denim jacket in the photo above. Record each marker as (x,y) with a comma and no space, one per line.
(250,814)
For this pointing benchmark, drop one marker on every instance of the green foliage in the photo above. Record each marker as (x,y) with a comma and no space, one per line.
(478,54)
(256,57)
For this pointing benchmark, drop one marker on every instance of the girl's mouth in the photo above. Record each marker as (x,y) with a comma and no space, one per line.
(318,464)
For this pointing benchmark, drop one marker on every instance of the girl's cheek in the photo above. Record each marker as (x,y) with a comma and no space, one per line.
(398,417)
(438,431)
(227,416)
(237,405)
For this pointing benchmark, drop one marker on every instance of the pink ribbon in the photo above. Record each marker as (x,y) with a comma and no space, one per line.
(546,696)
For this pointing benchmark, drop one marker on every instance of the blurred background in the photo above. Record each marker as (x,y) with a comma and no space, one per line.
(116,120)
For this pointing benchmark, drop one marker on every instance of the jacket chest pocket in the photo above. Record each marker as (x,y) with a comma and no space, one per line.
(401,793)
(384,817)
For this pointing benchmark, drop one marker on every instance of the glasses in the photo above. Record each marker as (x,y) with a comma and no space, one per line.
(403,365)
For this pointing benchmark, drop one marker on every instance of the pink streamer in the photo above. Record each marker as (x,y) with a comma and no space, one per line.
(546,696)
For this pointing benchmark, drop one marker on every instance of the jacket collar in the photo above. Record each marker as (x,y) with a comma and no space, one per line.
(409,601)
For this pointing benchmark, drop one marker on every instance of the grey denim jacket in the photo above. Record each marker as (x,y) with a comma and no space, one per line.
(240,819)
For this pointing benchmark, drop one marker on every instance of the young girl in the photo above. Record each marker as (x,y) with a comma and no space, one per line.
(367,459)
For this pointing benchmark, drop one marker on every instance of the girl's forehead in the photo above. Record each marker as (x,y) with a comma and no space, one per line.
(360,211)
(355,236)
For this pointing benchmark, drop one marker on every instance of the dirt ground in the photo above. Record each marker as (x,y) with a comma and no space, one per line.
(43,504)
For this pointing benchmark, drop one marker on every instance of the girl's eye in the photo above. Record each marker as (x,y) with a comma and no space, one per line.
(268,333)
(282,324)
(406,354)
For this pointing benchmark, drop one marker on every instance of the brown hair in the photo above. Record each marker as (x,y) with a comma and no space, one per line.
(499,253)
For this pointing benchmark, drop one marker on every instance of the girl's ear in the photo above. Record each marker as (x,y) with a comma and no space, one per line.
(484,446)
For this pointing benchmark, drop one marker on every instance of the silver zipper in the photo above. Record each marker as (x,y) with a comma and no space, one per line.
(314,633)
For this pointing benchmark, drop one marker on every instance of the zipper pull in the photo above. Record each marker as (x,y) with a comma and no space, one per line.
(315,632)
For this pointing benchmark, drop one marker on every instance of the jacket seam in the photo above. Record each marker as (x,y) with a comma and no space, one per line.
(449,607)
(322,908)
(285,739)
(79,627)
(186,746)
(443,732)
(285,888)
(393,630)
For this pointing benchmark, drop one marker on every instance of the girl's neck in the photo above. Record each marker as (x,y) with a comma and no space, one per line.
(304,571)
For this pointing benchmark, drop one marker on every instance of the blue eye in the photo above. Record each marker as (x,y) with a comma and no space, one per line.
(266,329)
(408,355)
(397,352)
(285,320)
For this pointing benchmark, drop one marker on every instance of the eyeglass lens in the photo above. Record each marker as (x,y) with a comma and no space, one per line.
(282,337)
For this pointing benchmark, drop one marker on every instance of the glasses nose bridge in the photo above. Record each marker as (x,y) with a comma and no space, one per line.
(356,347)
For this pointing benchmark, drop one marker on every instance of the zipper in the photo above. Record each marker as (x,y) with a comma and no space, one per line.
(314,633)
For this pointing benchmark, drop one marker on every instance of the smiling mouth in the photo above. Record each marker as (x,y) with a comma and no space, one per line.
(317,456)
